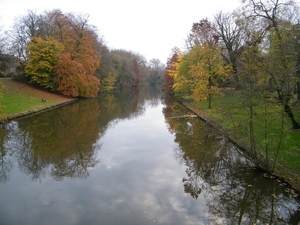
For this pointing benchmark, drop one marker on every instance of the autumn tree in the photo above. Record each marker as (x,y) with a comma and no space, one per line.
(81,48)
(84,50)
(200,74)
(72,80)
(202,33)
(202,70)
(171,70)
(80,44)
(43,56)
(143,67)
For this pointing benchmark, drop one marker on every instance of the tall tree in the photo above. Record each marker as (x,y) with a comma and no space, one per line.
(24,30)
(231,40)
(202,33)
(156,71)
(282,53)
(253,83)
(202,69)
(70,75)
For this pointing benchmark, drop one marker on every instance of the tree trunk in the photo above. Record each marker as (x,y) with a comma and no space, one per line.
(298,77)
(251,130)
(287,109)
(290,114)
(209,100)
(298,90)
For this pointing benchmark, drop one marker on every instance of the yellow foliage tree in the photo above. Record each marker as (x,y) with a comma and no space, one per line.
(171,70)
(44,55)
(201,73)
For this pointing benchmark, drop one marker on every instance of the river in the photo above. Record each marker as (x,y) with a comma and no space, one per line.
(131,158)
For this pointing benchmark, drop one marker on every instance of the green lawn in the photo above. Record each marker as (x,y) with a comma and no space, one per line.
(20,98)
(232,112)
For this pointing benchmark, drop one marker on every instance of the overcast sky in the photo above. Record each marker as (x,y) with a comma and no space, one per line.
(151,28)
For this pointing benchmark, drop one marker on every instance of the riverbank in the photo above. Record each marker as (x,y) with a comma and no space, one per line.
(21,99)
(289,177)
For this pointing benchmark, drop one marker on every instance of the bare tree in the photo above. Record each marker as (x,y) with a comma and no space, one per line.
(24,29)
(231,39)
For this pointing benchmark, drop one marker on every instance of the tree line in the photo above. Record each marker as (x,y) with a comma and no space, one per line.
(255,48)
(254,51)
(62,52)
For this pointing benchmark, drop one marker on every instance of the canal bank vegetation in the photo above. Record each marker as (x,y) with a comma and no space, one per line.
(243,70)
(267,136)
(63,52)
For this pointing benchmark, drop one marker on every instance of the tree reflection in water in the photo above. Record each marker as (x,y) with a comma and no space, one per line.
(59,142)
(64,142)
(235,192)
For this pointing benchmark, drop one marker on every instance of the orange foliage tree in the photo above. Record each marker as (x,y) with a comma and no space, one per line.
(82,53)
(74,70)
(72,79)
(171,70)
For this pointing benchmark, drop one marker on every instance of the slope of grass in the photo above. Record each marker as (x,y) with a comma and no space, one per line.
(20,98)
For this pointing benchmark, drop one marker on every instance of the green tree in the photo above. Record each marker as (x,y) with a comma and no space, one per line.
(280,41)
(106,72)
(253,82)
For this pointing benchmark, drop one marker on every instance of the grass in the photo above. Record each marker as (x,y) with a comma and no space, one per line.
(232,112)
(20,98)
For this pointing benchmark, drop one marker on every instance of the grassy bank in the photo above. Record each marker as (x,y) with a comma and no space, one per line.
(272,139)
(20,99)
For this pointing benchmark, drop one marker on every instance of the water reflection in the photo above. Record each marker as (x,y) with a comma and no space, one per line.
(63,142)
(140,167)
(235,193)
(6,162)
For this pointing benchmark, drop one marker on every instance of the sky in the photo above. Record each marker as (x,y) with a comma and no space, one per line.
(150,28)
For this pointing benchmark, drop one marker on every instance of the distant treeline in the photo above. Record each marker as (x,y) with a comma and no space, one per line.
(64,53)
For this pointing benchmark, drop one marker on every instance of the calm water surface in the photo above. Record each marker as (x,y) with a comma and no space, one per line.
(130,158)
